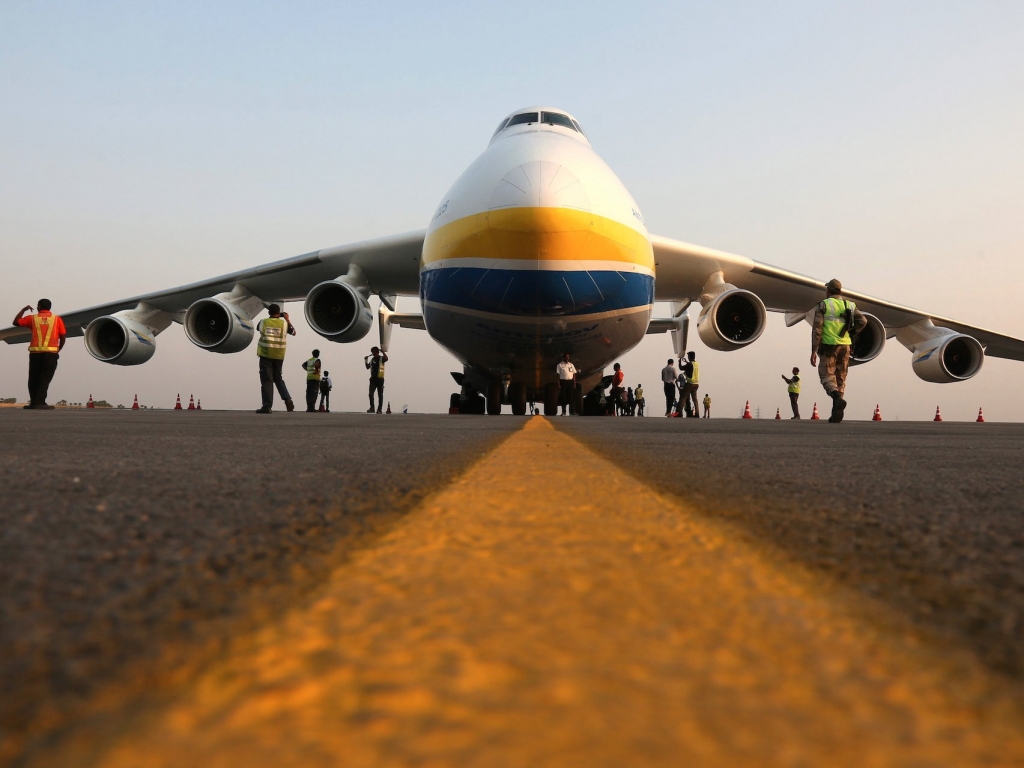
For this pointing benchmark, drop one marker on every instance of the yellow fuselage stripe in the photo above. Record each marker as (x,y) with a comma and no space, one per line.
(541,234)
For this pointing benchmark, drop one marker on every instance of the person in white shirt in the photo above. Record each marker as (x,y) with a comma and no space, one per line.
(566,383)
(668,377)
(326,385)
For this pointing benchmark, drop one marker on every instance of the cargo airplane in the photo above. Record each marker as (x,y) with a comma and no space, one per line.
(536,250)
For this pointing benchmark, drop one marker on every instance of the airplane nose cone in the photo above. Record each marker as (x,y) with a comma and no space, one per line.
(539,184)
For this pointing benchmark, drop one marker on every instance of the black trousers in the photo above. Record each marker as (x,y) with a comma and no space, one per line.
(670,395)
(312,390)
(565,392)
(325,400)
(271,374)
(41,367)
(377,385)
(793,397)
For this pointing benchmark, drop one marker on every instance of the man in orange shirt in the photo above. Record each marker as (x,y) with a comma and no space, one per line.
(48,337)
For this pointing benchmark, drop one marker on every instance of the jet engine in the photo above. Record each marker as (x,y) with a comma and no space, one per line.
(338,311)
(120,339)
(218,325)
(948,358)
(869,343)
(731,320)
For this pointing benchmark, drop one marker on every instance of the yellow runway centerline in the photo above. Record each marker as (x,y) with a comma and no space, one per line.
(547,609)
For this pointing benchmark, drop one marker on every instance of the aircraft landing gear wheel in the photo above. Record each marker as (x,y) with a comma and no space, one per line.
(577,400)
(551,399)
(494,398)
(517,397)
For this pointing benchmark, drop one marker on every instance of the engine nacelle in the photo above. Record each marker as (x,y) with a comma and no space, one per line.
(338,311)
(948,358)
(869,343)
(733,319)
(119,339)
(218,325)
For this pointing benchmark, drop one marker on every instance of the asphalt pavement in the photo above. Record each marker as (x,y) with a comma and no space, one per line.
(344,574)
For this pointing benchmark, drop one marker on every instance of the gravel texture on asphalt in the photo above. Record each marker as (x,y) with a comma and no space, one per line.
(133,543)
(928,517)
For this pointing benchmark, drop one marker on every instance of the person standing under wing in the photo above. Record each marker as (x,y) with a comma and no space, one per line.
(836,321)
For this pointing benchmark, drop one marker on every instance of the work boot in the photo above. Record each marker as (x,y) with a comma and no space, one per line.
(29,407)
(838,407)
(289,405)
(370,409)
(262,410)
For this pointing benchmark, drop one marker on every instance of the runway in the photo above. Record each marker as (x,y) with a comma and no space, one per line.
(224,589)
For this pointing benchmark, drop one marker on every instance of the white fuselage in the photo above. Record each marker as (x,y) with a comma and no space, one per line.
(537,249)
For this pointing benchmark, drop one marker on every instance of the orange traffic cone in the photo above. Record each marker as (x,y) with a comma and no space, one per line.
(815,416)
(199,405)
(746,411)
(135,405)
(191,403)
(938,414)
(177,403)
(778,416)
(878,414)
(90,404)
(389,407)
(981,417)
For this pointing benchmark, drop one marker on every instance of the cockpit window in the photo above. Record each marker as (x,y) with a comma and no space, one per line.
(525,117)
(554,118)
(502,125)
(578,127)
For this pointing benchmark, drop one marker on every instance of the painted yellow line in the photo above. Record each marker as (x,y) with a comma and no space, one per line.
(547,609)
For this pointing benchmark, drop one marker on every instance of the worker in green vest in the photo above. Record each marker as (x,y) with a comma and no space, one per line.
(794,392)
(691,370)
(270,349)
(836,322)
(312,368)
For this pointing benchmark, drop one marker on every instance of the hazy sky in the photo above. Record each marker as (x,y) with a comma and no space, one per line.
(144,146)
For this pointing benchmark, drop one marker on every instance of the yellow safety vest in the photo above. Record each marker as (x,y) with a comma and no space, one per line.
(312,374)
(707,401)
(835,319)
(273,338)
(380,369)
(695,378)
(794,386)
(42,334)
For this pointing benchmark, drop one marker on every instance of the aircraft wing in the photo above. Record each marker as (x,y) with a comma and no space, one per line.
(683,269)
(391,266)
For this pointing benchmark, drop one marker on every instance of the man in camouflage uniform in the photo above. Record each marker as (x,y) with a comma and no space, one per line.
(836,321)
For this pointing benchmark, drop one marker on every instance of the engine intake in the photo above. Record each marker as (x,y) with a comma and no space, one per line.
(338,311)
(869,343)
(948,358)
(119,340)
(218,326)
(732,320)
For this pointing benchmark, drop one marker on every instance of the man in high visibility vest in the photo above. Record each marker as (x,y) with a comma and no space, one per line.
(707,406)
(375,364)
(836,322)
(312,369)
(794,392)
(691,370)
(274,332)
(48,337)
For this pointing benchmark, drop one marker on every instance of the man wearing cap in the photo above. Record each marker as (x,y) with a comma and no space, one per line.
(48,337)
(836,321)
(274,332)
(375,365)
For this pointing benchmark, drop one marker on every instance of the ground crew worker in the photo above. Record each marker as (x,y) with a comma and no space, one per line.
(326,385)
(794,392)
(270,349)
(691,369)
(835,321)
(312,369)
(566,384)
(707,406)
(617,378)
(375,364)
(48,337)
(640,403)
(668,378)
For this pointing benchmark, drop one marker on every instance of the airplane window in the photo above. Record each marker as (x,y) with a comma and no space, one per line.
(500,126)
(553,118)
(578,127)
(525,117)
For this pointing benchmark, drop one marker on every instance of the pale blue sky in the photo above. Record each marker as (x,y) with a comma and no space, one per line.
(876,142)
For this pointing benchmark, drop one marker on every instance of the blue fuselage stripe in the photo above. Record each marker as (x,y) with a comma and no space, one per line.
(536,293)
